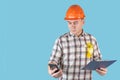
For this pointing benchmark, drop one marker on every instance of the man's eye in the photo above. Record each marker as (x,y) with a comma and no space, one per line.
(69,22)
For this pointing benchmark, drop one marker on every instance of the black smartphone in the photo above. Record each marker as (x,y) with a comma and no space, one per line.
(53,66)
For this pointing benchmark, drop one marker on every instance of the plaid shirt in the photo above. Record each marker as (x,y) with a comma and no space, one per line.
(69,52)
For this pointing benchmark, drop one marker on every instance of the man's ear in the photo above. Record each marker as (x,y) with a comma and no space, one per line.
(83,21)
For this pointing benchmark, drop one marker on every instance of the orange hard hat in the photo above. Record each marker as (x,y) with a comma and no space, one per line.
(74,12)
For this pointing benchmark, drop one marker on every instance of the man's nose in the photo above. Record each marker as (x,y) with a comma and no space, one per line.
(73,25)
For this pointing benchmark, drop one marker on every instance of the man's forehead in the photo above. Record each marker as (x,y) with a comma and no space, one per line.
(73,20)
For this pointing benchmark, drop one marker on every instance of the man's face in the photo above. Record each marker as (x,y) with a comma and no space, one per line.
(75,26)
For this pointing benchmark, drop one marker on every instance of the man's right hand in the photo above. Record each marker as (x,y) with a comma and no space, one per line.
(53,74)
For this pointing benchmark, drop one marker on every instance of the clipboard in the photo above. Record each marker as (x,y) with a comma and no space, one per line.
(93,65)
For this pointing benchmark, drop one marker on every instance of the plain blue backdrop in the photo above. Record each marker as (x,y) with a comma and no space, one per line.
(28,29)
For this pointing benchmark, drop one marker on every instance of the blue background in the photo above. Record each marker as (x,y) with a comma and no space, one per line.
(28,29)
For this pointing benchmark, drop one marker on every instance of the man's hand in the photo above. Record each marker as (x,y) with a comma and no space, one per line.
(53,74)
(57,74)
(101,71)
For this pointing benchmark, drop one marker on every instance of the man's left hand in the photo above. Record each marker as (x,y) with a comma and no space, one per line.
(101,71)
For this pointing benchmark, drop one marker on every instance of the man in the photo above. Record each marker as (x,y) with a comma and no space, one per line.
(75,49)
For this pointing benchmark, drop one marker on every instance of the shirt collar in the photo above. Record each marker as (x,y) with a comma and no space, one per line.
(81,35)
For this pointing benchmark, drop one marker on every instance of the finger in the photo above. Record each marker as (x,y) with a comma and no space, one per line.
(101,69)
(57,74)
(102,72)
(52,71)
(104,69)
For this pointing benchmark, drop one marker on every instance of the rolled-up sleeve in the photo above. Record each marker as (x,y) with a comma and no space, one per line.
(56,52)
(97,54)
